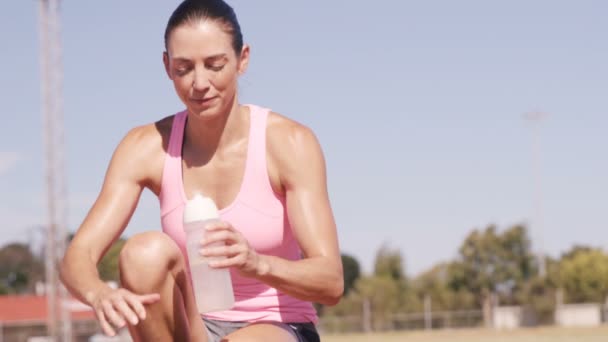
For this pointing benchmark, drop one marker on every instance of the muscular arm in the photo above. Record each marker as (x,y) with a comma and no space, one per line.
(318,276)
(125,178)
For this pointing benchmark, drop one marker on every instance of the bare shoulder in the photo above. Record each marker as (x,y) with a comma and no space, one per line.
(145,139)
(141,152)
(288,135)
(292,147)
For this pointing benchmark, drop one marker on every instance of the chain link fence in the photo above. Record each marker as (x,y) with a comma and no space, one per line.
(573,315)
(402,321)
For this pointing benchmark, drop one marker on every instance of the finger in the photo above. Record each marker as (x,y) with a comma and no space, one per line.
(221,251)
(112,316)
(214,251)
(126,311)
(137,306)
(105,326)
(219,236)
(150,298)
(235,261)
(223,263)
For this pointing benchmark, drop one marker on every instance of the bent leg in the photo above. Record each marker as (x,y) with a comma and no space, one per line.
(262,332)
(152,263)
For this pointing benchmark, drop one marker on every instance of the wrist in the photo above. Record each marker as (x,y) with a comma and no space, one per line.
(94,293)
(263,267)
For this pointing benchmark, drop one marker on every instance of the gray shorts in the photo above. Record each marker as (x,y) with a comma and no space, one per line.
(303,332)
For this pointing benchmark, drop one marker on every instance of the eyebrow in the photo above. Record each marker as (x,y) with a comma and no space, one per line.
(213,57)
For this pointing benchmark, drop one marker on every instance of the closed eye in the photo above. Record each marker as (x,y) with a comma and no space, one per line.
(181,71)
(216,67)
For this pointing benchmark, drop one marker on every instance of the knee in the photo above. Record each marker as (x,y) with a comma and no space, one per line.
(146,259)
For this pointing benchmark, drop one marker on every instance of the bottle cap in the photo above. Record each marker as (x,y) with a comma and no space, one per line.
(200,208)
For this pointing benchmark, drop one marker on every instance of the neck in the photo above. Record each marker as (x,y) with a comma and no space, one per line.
(208,135)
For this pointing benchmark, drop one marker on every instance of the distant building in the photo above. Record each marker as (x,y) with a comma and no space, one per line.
(579,315)
(507,317)
(25,316)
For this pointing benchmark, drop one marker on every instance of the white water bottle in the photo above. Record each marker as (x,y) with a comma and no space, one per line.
(212,287)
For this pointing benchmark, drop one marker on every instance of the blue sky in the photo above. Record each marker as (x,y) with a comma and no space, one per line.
(419,107)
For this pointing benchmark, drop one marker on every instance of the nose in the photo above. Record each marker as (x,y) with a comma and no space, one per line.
(201,81)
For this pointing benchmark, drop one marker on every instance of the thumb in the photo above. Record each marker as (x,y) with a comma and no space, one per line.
(149,298)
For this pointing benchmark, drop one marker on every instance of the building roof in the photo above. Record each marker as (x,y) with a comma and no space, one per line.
(33,308)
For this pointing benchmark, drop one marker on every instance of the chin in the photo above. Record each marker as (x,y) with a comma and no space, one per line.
(217,108)
(205,113)
(208,113)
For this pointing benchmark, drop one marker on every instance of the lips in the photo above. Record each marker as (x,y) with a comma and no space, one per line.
(203,101)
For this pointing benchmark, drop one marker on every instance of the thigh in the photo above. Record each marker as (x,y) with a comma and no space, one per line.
(152,263)
(263,332)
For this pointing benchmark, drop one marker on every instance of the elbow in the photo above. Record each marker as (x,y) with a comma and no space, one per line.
(66,267)
(334,298)
(334,292)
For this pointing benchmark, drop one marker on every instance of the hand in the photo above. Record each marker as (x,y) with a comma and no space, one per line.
(114,307)
(233,247)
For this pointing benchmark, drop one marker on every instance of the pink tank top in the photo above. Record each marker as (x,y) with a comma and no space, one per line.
(257,212)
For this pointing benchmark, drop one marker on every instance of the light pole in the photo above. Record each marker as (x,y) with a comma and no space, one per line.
(58,320)
(535,119)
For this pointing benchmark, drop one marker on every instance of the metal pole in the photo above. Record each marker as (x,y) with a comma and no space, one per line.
(367,317)
(428,318)
(58,320)
(535,118)
(48,147)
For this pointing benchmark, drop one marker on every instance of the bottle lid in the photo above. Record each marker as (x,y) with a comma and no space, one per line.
(200,208)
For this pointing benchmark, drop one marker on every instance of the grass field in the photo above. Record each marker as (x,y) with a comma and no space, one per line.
(599,334)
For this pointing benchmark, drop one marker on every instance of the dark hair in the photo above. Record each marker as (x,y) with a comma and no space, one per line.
(191,11)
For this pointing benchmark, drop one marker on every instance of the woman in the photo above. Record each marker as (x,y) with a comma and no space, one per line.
(266,173)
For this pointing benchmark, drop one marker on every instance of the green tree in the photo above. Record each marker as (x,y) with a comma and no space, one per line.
(20,269)
(386,291)
(352,272)
(108,265)
(379,293)
(383,295)
(389,263)
(538,294)
(575,251)
(490,262)
(583,273)
(435,283)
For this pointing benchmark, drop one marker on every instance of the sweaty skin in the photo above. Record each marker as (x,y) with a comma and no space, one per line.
(204,70)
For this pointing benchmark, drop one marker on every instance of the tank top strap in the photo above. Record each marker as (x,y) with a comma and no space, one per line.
(170,193)
(255,183)
(176,140)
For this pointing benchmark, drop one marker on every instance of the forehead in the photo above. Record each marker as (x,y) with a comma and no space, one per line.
(199,39)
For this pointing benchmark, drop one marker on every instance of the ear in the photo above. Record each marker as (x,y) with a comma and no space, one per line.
(244,59)
(166,63)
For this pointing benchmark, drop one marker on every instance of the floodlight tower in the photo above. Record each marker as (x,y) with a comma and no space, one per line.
(58,320)
(535,119)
